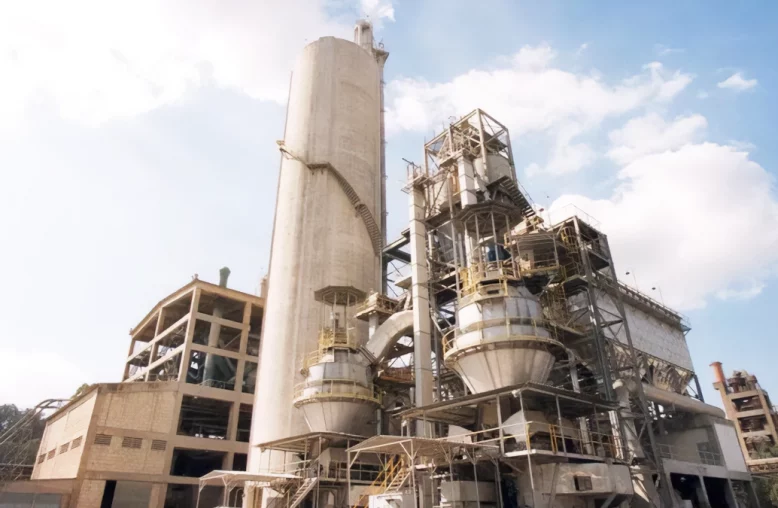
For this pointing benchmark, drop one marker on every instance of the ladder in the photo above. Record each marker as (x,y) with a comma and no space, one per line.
(302,491)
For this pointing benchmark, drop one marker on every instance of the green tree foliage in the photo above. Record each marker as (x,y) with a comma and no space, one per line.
(29,439)
(81,390)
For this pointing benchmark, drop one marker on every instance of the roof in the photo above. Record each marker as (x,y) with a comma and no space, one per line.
(432,449)
(235,478)
(299,444)
(186,288)
(151,385)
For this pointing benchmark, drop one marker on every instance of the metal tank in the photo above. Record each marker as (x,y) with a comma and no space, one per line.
(500,338)
(327,220)
(338,393)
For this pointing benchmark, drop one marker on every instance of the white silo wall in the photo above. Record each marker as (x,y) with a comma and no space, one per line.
(319,239)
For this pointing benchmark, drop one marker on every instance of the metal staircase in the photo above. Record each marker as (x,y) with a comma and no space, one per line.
(391,479)
(517,194)
(302,490)
(373,230)
(16,440)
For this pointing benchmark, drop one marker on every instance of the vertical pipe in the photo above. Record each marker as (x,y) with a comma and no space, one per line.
(718,374)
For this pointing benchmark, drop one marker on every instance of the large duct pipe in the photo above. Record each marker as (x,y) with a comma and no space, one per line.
(386,336)
(215,330)
(718,373)
(682,402)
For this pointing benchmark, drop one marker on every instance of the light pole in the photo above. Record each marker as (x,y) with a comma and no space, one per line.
(634,278)
(661,298)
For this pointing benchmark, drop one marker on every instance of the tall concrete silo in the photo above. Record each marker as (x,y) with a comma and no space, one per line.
(328,229)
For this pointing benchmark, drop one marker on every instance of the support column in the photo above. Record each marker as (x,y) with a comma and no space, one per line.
(422,351)
(467,196)
(702,493)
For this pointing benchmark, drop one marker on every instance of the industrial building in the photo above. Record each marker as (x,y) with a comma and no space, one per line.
(755,418)
(183,409)
(485,358)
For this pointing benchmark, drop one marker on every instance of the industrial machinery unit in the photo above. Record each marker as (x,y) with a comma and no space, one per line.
(486,357)
(755,418)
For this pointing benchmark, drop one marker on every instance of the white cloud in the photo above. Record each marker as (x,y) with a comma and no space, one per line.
(95,60)
(530,94)
(583,47)
(663,50)
(377,10)
(651,133)
(738,83)
(36,370)
(753,289)
(695,221)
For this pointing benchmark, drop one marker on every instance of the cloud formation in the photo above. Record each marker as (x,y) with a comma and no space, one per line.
(695,219)
(651,133)
(737,83)
(94,60)
(532,95)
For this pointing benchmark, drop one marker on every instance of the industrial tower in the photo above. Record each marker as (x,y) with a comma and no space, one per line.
(485,357)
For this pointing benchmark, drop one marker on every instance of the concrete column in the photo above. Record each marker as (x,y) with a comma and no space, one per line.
(422,350)
(702,493)
(158,493)
(372,324)
(467,197)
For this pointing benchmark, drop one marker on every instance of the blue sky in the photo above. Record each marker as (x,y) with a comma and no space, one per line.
(137,148)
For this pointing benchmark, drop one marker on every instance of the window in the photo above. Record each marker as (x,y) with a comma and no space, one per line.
(51,454)
(103,439)
(76,442)
(583,483)
(249,377)
(131,442)
(159,445)
(244,423)
(65,447)
(239,462)
(195,463)
(203,417)
(211,370)
(41,458)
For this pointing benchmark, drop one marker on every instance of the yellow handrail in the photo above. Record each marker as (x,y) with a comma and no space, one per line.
(327,392)
(392,467)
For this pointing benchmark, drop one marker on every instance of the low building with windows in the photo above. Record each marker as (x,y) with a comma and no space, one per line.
(182,410)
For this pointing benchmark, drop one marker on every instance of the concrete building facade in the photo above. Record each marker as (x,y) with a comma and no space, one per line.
(182,410)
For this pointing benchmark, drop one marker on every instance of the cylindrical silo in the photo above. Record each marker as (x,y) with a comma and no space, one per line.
(327,229)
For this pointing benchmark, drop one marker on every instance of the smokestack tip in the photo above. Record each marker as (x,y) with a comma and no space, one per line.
(224,274)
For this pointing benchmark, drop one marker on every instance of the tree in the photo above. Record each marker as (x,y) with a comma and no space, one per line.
(29,439)
(81,390)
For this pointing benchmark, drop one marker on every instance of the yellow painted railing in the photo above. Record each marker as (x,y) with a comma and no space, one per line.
(393,467)
(328,339)
(450,338)
(336,388)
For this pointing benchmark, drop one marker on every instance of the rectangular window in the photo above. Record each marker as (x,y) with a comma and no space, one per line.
(103,439)
(51,454)
(195,463)
(131,442)
(76,442)
(65,447)
(211,370)
(583,483)
(244,423)
(41,458)
(203,417)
